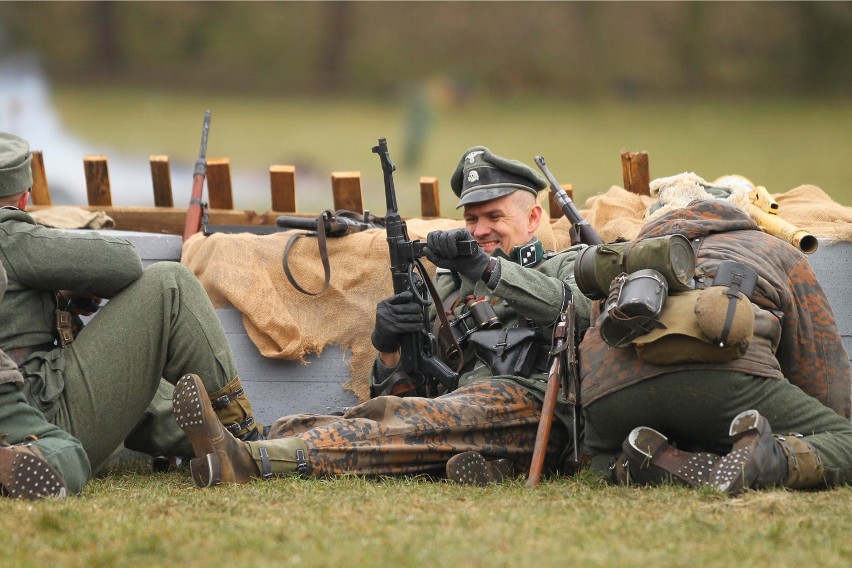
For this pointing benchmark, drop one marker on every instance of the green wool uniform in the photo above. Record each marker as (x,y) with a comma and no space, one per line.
(494,415)
(83,400)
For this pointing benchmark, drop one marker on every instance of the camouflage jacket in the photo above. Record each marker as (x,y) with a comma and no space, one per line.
(809,351)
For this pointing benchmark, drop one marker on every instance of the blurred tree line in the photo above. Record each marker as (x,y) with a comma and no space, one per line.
(566,49)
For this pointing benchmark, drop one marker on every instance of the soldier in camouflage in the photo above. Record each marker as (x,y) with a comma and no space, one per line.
(73,395)
(478,433)
(776,416)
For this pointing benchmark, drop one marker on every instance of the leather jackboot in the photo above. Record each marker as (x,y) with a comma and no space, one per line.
(647,458)
(235,412)
(756,459)
(25,474)
(219,456)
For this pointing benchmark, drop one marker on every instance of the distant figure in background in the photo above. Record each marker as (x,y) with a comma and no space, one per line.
(85,391)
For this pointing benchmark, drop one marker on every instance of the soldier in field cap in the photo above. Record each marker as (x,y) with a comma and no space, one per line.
(479,432)
(482,176)
(16,174)
(72,394)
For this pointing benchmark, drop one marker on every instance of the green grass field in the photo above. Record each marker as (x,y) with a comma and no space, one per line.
(779,143)
(132,518)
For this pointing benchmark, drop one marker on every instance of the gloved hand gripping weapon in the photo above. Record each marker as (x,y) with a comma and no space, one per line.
(418,358)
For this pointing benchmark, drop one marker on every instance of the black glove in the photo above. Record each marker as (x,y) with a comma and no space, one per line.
(442,250)
(396,315)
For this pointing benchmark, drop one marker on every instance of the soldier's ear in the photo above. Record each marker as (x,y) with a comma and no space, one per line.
(534,219)
(24,200)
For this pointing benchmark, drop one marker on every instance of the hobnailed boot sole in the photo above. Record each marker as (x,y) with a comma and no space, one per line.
(29,477)
(187,402)
(652,460)
(742,467)
(219,457)
(471,468)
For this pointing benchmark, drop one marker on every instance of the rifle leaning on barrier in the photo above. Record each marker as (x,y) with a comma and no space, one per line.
(563,372)
(196,206)
(417,350)
(581,231)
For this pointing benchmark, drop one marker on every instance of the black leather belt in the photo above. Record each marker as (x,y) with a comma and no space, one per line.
(20,354)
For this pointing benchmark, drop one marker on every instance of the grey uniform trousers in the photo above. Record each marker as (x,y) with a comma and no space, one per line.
(106,387)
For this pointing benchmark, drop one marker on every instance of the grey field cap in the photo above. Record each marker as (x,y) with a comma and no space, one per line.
(16,174)
(483,176)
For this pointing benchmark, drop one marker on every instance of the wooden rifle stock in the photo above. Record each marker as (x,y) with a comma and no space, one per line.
(563,334)
(194,211)
(581,230)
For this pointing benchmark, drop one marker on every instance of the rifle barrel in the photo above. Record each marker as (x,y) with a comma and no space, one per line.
(193,212)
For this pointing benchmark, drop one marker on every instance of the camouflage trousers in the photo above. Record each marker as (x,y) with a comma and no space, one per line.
(390,435)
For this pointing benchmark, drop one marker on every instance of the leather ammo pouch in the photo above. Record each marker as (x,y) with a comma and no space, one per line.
(510,351)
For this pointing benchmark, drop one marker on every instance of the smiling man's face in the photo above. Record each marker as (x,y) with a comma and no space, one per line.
(505,222)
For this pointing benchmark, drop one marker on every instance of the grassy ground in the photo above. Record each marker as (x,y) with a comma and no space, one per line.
(132,518)
(779,143)
(135,518)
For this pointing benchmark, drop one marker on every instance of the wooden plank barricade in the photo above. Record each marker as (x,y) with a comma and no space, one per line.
(281,387)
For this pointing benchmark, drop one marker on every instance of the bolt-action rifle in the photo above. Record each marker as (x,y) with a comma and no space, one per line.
(417,350)
(196,206)
(562,372)
(581,231)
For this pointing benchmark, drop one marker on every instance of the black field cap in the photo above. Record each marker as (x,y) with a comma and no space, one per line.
(483,176)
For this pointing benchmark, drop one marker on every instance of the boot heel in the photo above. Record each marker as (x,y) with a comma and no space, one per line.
(206,470)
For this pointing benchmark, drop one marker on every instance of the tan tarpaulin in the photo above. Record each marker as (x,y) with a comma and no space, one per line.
(66,217)
(245,271)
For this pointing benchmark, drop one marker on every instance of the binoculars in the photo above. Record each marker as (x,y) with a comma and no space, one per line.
(478,314)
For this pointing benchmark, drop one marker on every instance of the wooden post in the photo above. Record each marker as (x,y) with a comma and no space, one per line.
(41,193)
(430,198)
(555,210)
(161,178)
(282,184)
(346,188)
(219,191)
(97,180)
(634,167)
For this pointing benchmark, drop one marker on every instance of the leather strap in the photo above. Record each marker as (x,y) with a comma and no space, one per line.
(265,464)
(226,399)
(238,427)
(323,251)
(442,315)
(301,463)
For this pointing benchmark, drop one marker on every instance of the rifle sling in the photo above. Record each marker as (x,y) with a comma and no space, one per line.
(442,316)
(323,250)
